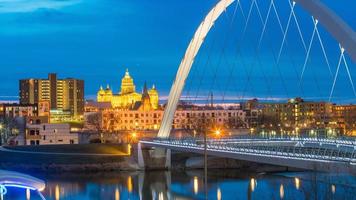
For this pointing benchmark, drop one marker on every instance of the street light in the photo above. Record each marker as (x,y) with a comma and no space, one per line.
(1,134)
(133,137)
(217,133)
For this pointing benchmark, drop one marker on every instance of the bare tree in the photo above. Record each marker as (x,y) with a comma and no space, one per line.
(93,122)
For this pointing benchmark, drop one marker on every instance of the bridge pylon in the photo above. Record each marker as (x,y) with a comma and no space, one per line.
(153,158)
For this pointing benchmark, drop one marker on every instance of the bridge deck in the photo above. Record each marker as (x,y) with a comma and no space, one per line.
(307,153)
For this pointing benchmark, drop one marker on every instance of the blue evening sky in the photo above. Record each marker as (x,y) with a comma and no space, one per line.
(96,40)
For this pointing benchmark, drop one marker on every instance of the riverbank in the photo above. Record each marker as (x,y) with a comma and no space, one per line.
(67,158)
(108,157)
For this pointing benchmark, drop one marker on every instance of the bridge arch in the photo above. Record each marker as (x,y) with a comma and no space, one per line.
(339,30)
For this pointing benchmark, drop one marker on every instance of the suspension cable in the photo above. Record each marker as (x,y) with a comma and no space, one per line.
(298,27)
(324,52)
(336,74)
(348,73)
(285,33)
(309,48)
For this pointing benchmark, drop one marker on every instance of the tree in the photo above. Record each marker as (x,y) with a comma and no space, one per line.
(93,122)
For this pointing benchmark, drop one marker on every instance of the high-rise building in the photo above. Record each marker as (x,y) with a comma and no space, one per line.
(65,95)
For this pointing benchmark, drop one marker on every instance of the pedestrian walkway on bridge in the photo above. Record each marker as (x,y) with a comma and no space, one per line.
(319,154)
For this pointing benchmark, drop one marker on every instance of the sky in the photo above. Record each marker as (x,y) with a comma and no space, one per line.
(96,40)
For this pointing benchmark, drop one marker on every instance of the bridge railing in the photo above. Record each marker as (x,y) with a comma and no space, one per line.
(295,151)
(320,140)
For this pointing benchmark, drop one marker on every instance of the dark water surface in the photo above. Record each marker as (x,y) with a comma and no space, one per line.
(222,184)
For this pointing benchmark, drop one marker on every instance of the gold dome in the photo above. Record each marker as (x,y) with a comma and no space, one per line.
(127,84)
(101,91)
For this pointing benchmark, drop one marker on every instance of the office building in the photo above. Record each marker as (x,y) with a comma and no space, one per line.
(61,95)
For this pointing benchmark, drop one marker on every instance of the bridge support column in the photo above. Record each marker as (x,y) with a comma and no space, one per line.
(168,163)
(148,158)
(140,160)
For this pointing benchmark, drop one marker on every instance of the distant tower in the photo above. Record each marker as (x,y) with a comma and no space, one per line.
(104,95)
(100,95)
(145,101)
(212,100)
(127,84)
(154,97)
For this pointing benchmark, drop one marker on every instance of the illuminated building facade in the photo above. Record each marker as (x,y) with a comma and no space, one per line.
(61,95)
(127,98)
(189,119)
(17,110)
(304,117)
(298,113)
(49,134)
(345,118)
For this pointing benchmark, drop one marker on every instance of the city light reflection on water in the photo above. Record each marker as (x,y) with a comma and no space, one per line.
(297,183)
(281,191)
(190,185)
(196,185)
(253,184)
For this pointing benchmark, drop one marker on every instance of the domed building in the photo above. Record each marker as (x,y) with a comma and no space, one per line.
(153,94)
(104,95)
(128,98)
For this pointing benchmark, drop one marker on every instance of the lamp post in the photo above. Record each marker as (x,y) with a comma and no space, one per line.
(1,134)
(205,166)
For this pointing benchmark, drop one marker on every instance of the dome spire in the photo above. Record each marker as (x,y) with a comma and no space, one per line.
(145,88)
(127,73)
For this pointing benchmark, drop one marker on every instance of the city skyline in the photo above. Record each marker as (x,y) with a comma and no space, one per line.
(177,99)
(111,48)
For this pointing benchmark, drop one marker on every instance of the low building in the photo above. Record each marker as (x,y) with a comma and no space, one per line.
(49,134)
(344,116)
(18,110)
(125,120)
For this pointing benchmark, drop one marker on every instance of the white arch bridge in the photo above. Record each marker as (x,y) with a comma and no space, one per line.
(307,153)
(344,35)
(336,155)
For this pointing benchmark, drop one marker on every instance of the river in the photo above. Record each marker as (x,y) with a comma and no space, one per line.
(222,184)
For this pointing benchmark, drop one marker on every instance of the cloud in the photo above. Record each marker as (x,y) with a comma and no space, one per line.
(21,6)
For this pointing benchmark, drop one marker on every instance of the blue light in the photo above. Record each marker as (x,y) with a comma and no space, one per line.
(3,191)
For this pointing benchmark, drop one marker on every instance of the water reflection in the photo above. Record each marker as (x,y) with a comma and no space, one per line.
(56,193)
(117,194)
(196,185)
(333,189)
(28,194)
(281,191)
(218,194)
(297,183)
(129,184)
(253,184)
(188,185)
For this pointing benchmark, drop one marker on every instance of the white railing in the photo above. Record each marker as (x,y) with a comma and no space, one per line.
(321,152)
